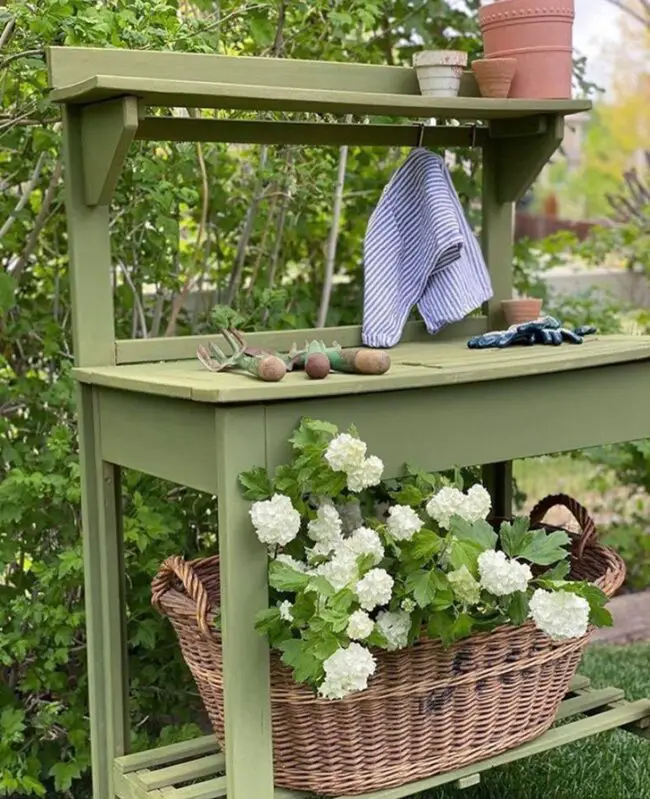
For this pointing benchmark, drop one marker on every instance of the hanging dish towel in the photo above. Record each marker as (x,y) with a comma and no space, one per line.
(420,250)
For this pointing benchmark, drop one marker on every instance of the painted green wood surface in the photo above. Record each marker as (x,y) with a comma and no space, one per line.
(107,132)
(93,330)
(240,445)
(182,348)
(203,94)
(160,128)
(168,438)
(603,707)
(414,365)
(497,236)
(104,598)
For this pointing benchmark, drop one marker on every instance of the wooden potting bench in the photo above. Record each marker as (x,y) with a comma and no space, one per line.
(149,405)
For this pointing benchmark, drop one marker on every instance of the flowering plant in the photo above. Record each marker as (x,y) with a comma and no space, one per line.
(356,563)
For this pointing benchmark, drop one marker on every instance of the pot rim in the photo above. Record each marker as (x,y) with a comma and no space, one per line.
(440,58)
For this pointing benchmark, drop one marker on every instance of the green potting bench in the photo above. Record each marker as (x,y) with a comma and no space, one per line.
(149,405)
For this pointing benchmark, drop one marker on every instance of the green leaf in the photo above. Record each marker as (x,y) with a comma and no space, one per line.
(513,536)
(447,628)
(297,654)
(423,585)
(425,544)
(464,553)
(257,484)
(267,620)
(321,586)
(335,618)
(12,725)
(517,607)
(283,578)
(559,571)
(64,773)
(544,548)
(479,533)
(408,495)
(8,288)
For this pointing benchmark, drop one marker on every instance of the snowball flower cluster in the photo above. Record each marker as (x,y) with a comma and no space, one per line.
(341,570)
(359,626)
(365,541)
(448,502)
(285,610)
(347,671)
(560,614)
(374,589)
(478,503)
(465,587)
(403,522)
(325,529)
(502,576)
(275,520)
(345,453)
(395,628)
(292,563)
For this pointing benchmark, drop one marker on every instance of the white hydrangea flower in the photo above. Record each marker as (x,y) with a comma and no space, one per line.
(325,529)
(350,515)
(347,671)
(403,522)
(345,452)
(285,610)
(478,503)
(365,474)
(501,576)
(560,614)
(365,541)
(446,503)
(341,571)
(275,520)
(296,565)
(464,586)
(395,628)
(408,605)
(374,589)
(359,626)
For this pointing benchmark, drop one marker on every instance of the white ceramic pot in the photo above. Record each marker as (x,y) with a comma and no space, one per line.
(440,71)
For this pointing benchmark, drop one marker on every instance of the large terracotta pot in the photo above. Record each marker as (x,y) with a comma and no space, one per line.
(539,35)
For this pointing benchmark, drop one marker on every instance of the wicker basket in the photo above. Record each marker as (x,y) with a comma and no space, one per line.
(427,709)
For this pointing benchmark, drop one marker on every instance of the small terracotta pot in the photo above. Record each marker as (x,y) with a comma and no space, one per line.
(521,309)
(539,35)
(494,75)
(440,71)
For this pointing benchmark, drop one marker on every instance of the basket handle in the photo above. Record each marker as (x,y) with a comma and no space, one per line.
(588,534)
(177,568)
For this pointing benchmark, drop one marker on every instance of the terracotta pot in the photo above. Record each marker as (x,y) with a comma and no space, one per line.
(439,71)
(494,75)
(539,35)
(521,309)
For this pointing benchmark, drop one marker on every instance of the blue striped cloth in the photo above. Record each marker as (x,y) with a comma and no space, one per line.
(419,249)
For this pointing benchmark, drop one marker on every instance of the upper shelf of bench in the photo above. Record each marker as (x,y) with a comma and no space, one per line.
(90,75)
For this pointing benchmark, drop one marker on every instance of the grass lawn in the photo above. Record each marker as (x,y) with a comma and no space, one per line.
(613,765)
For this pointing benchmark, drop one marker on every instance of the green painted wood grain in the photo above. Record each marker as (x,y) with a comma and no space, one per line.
(104,598)
(93,332)
(435,363)
(203,94)
(166,755)
(240,445)
(184,347)
(162,128)
(160,436)
(107,132)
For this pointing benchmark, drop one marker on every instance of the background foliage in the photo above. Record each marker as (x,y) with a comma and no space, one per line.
(247,226)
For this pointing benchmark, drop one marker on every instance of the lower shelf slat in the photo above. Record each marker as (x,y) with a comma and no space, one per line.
(194,769)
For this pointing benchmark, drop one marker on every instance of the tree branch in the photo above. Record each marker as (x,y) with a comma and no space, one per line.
(24,199)
(6,32)
(24,54)
(39,222)
(333,235)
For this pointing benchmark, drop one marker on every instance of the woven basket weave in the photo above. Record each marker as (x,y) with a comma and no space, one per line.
(427,709)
